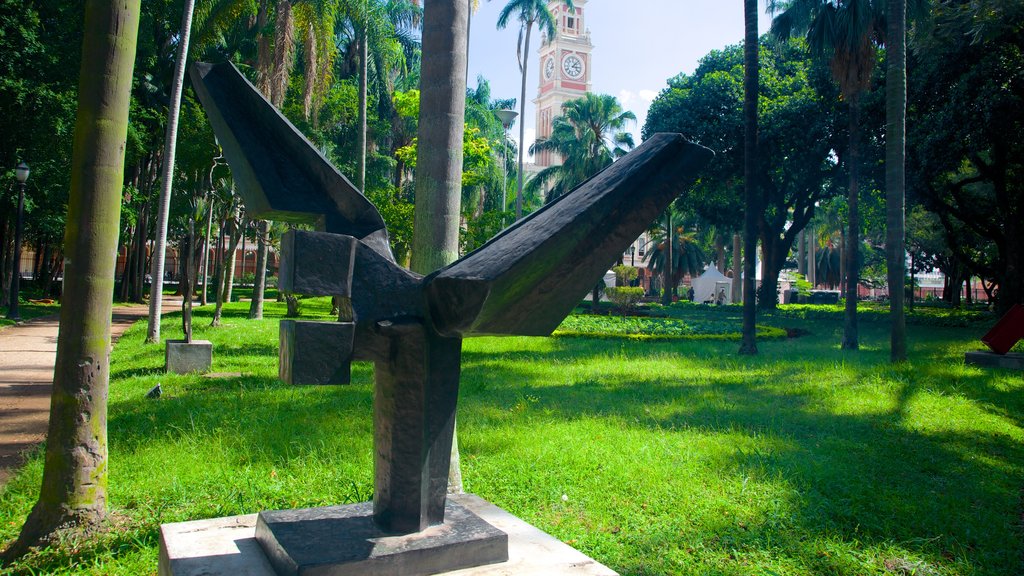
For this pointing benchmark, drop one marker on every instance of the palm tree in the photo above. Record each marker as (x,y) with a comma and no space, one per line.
(167,178)
(674,252)
(528,12)
(74,484)
(751,81)
(895,177)
(589,135)
(847,32)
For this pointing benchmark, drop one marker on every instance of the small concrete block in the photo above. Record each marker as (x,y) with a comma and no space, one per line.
(214,547)
(182,357)
(1012,361)
(315,352)
(345,541)
(227,547)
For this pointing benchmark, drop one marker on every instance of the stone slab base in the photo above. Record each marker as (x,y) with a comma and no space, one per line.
(182,357)
(345,541)
(1011,361)
(228,547)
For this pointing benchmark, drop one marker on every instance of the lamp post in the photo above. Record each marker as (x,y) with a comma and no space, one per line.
(21,173)
(507,117)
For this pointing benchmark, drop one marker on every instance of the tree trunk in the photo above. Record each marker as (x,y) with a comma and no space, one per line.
(439,167)
(227,274)
(186,282)
(141,238)
(522,121)
(74,487)
(258,285)
(751,81)
(737,268)
(666,294)
(361,134)
(850,337)
(3,261)
(206,250)
(812,260)
(895,173)
(167,179)
(801,254)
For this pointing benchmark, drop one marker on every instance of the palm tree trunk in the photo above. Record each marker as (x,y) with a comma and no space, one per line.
(751,80)
(75,473)
(170,139)
(522,121)
(258,285)
(363,82)
(439,171)
(895,176)
(850,337)
(442,108)
(666,294)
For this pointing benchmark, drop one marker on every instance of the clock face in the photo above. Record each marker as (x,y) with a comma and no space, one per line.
(572,66)
(549,68)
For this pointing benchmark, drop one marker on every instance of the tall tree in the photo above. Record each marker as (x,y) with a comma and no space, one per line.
(167,179)
(847,33)
(895,170)
(74,487)
(528,12)
(965,141)
(439,164)
(751,81)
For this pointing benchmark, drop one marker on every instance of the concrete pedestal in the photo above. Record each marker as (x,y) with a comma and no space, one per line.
(1011,361)
(182,357)
(228,547)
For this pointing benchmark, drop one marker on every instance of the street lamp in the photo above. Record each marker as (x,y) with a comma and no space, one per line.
(21,173)
(507,117)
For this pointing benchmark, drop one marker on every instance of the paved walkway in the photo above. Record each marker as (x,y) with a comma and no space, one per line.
(27,355)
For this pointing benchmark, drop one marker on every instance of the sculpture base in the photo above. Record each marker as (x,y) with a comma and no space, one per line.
(344,541)
(990,360)
(228,547)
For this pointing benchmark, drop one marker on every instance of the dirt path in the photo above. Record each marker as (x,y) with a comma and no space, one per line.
(27,355)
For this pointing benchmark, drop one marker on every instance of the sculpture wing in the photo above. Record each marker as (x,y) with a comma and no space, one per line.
(527,279)
(278,172)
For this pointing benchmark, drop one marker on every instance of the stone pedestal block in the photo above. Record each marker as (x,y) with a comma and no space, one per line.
(182,357)
(228,547)
(345,541)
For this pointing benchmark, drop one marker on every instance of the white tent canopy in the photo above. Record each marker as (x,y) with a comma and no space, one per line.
(712,286)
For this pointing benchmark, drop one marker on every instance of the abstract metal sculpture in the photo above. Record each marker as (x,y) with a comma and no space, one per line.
(522,282)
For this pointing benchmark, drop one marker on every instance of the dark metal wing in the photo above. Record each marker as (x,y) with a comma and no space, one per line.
(529,277)
(278,172)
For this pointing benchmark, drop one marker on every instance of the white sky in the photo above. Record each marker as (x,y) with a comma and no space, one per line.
(638,46)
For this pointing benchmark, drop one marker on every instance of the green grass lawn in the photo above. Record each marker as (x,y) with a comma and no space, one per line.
(675,457)
(28,311)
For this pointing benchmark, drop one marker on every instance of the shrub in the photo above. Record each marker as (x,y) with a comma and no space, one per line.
(624,275)
(625,297)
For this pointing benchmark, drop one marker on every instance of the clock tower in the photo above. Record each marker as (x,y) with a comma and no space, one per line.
(564,69)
